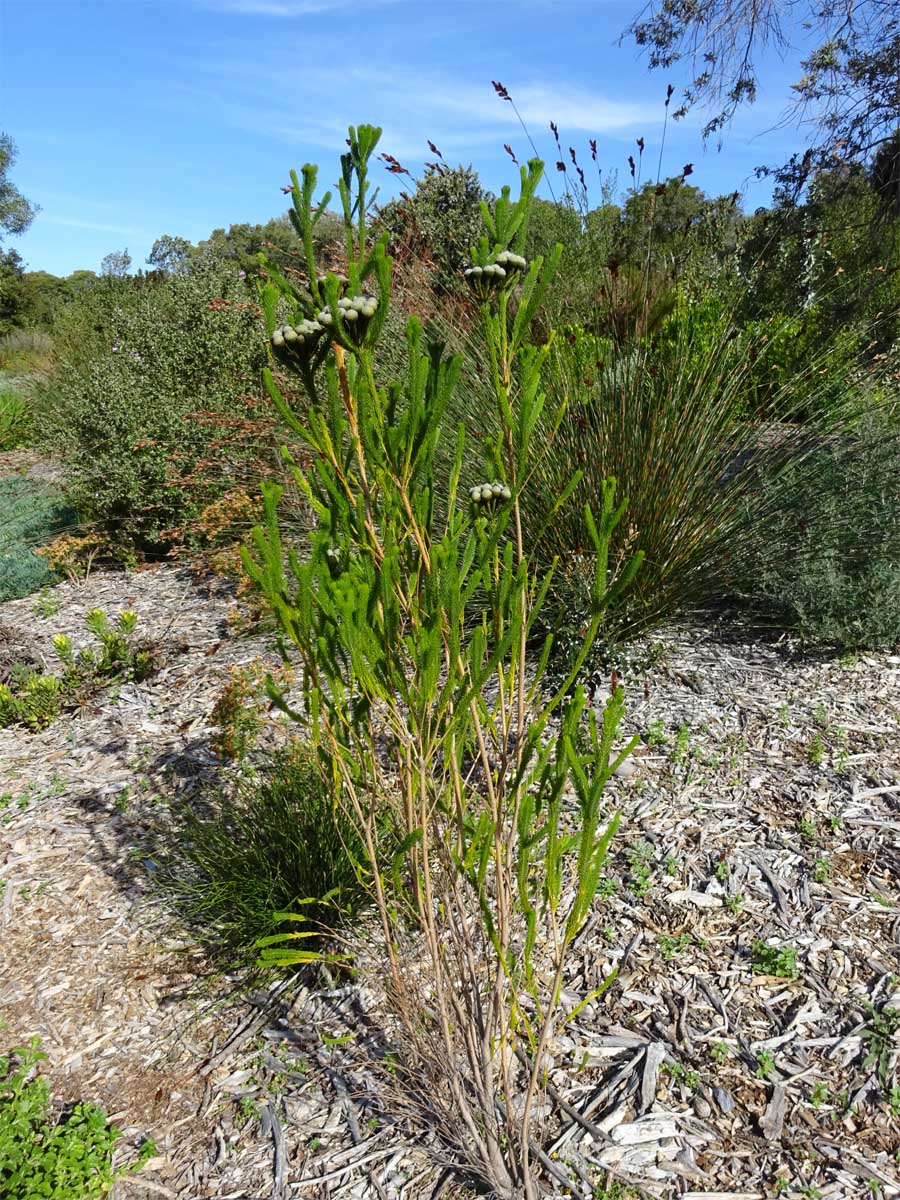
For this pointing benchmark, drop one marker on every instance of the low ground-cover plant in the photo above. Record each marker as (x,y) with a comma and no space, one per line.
(437,731)
(52,1156)
(780,961)
(34,699)
(31,515)
(279,844)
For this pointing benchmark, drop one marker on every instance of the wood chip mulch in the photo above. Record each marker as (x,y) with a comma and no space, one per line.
(751,908)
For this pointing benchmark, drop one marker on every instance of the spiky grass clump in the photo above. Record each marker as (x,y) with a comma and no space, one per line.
(26,352)
(678,433)
(280,844)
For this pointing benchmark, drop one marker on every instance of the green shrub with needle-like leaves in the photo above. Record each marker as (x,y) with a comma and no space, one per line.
(434,723)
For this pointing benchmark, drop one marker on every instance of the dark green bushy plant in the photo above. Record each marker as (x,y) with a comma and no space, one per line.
(280,845)
(136,415)
(827,554)
(31,514)
(42,1158)
(442,217)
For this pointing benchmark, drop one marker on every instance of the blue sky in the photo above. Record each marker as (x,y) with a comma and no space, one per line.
(135,118)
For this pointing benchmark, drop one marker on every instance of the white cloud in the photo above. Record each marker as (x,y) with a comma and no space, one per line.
(280,8)
(96,226)
(459,115)
(575,110)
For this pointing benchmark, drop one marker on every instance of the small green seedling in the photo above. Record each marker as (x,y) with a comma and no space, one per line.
(815,751)
(778,961)
(656,734)
(720,1053)
(765,1064)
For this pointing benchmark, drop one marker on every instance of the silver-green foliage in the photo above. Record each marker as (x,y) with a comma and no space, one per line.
(31,514)
(136,414)
(435,724)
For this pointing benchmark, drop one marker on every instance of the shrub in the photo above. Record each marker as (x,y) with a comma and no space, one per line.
(280,844)
(826,555)
(139,418)
(42,1158)
(438,732)
(31,514)
(794,364)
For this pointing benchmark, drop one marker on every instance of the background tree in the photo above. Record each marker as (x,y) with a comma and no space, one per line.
(885,174)
(116,263)
(79,280)
(441,218)
(170,254)
(849,92)
(11,273)
(43,295)
(243,244)
(16,213)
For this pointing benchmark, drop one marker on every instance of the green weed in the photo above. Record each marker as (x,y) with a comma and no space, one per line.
(765,1064)
(778,961)
(42,1156)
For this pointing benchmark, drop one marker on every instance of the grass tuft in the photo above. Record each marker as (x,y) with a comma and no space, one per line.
(279,844)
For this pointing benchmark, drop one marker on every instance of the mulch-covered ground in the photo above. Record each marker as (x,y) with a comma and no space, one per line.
(752,909)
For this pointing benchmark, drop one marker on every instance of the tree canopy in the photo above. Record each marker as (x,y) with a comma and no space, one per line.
(116,263)
(848,94)
(16,213)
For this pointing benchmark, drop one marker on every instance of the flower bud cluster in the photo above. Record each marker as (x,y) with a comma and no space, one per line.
(510,261)
(302,338)
(487,281)
(489,494)
(356,313)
